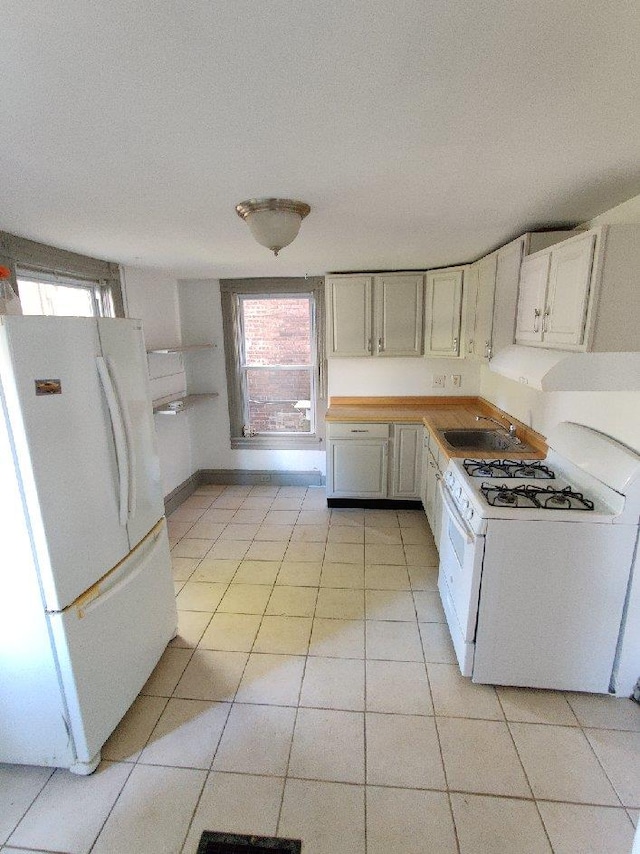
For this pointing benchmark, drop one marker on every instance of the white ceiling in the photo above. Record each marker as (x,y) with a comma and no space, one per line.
(421,132)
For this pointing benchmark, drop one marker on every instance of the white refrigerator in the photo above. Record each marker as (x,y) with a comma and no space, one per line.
(86,594)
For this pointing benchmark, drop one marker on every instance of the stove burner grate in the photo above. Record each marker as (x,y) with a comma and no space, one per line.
(533,469)
(541,497)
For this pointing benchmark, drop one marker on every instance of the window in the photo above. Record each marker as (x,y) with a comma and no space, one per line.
(62,297)
(274,361)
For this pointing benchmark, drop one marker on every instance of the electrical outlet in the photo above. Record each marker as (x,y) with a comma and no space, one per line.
(265,478)
(456,379)
(439,381)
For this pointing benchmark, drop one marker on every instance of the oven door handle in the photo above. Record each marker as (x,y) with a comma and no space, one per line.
(454,514)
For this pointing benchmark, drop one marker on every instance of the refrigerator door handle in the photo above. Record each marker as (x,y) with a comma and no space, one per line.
(128,431)
(115,415)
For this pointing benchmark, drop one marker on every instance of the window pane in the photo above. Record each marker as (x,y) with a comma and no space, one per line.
(57,300)
(277,331)
(279,401)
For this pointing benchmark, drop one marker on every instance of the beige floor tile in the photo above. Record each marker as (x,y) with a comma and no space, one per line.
(329,817)
(579,829)
(210,490)
(218,516)
(212,675)
(177,530)
(310,534)
(214,570)
(498,825)
(256,503)
(167,672)
(304,552)
(560,764)
(266,550)
(402,820)
(429,606)
(192,548)
(200,596)
(300,574)
(393,641)
(386,577)
(231,632)
(287,503)
(70,810)
(377,553)
(346,534)
(191,625)
(256,740)
(479,756)
(250,516)
(340,604)
(284,635)
(245,599)
(400,687)
(348,575)
(228,501)
(598,711)
(271,679)
(412,518)
(237,531)
(533,706)
(337,638)
(153,812)
(274,533)
(333,683)
(457,696)
(261,490)
(229,549)
(423,577)
(314,517)
(619,755)
(389,605)
(236,803)
(347,516)
(426,555)
(206,529)
(328,745)
(199,500)
(381,518)
(315,501)
(20,785)
(436,643)
(415,536)
(281,517)
(126,742)
(183,567)
(187,734)
(402,750)
(382,536)
(292,601)
(177,586)
(344,553)
(257,572)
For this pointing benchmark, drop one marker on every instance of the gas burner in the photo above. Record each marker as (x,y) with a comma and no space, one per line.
(533,469)
(542,497)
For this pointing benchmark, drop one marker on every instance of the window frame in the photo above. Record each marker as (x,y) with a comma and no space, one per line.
(101,297)
(231,291)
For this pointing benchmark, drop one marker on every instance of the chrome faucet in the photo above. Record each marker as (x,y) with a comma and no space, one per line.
(512,427)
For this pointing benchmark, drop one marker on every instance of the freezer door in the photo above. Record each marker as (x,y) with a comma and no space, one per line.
(111,638)
(63,442)
(126,360)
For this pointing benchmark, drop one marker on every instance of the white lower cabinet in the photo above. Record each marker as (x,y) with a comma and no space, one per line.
(360,463)
(432,501)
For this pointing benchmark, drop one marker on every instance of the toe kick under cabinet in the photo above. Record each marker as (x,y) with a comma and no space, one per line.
(374,460)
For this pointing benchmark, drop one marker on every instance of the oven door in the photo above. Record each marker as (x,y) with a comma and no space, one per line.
(461,554)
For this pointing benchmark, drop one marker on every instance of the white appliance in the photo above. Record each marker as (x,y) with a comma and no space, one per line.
(537,565)
(86,595)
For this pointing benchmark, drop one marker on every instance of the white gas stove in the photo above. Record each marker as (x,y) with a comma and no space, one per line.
(536,564)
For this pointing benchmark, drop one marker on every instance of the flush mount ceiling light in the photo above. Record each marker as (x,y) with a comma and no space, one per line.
(273,222)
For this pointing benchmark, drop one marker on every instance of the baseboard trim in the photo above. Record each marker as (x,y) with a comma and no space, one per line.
(266,477)
(376,503)
(175,498)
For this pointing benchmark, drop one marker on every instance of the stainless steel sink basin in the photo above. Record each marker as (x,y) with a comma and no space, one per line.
(481,440)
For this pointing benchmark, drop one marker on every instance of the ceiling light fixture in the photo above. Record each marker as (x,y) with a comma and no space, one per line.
(273,222)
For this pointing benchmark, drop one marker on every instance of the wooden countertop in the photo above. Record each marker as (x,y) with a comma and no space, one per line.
(436,413)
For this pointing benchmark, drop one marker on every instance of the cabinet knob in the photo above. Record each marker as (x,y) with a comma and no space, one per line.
(455,344)
(380,345)
(536,318)
(545,319)
(369,346)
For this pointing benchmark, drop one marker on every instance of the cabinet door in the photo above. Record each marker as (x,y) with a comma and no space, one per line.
(505,300)
(470,292)
(568,292)
(533,286)
(484,307)
(349,315)
(430,504)
(357,468)
(407,460)
(399,302)
(443,313)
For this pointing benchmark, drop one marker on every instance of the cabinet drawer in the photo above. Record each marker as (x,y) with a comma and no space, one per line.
(344,430)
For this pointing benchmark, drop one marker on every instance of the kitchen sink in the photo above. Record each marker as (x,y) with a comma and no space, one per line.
(481,440)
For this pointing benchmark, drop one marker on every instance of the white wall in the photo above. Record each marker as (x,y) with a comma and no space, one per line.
(152,296)
(201,314)
(374,377)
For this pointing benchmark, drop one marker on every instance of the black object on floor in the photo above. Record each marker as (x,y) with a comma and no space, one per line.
(235,843)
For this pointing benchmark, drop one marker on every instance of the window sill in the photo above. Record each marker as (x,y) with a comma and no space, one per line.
(277,443)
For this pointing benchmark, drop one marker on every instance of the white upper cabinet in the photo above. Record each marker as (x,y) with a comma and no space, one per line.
(470,297)
(583,294)
(443,312)
(375,315)
(484,306)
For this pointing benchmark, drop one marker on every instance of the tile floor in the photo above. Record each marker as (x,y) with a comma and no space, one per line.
(312,692)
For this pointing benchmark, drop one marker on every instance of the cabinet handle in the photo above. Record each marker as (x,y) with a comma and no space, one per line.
(369,347)
(470,347)
(380,345)
(455,345)
(487,350)
(536,318)
(358,431)
(545,324)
